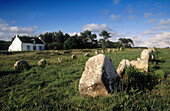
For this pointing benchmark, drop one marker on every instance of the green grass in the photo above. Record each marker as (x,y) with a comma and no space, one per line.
(55,87)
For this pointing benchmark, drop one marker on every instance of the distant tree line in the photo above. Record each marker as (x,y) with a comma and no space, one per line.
(58,40)
(86,39)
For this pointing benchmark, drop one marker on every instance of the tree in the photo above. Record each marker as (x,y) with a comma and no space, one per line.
(71,43)
(105,36)
(126,43)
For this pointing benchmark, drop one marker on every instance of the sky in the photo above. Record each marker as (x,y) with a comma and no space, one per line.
(146,22)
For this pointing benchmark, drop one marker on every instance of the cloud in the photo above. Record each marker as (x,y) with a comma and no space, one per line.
(116,2)
(98,28)
(151,21)
(132,17)
(159,40)
(164,22)
(7,31)
(114,17)
(137,40)
(147,15)
(73,33)
(160,28)
(147,32)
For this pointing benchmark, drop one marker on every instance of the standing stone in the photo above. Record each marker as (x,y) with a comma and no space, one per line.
(140,64)
(153,57)
(108,50)
(21,64)
(121,68)
(99,76)
(150,50)
(96,52)
(86,55)
(146,55)
(42,62)
(59,60)
(113,50)
(102,51)
(73,56)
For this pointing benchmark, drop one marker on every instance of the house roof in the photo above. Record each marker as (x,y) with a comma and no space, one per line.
(30,40)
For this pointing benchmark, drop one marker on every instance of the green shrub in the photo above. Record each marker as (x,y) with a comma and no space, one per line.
(159,73)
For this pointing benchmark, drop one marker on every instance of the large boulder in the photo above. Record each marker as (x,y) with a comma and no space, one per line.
(121,67)
(140,64)
(21,64)
(42,62)
(99,76)
(146,55)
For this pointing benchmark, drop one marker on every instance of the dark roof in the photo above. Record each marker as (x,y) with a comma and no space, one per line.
(30,40)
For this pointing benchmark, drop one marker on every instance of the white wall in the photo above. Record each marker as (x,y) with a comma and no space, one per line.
(16,45)
(25,46)
(38,46)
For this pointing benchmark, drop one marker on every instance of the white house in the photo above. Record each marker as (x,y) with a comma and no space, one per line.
(26,44)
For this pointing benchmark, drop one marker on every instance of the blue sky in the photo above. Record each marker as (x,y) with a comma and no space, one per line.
(147,22)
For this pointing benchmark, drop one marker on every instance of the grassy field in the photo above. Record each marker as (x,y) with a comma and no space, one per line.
(55,86)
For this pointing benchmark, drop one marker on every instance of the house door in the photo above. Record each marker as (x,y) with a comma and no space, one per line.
(34,47)
(28,47)
(40,48)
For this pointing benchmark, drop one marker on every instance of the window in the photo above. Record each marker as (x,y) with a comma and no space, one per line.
(40,48)
(28,47)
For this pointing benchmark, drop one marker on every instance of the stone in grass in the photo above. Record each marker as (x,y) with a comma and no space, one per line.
(96,52)
(146,55)
(113,50)
(102,51)
(59,60)
(86,55)
(109,50)
(42,62)
(21,64)
(99,77)
(140,64)
(73,56)
(121,67)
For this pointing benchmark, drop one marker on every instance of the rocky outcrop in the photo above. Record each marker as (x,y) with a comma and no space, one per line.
(21,64)
(99,76)
(42,62)
(121,67)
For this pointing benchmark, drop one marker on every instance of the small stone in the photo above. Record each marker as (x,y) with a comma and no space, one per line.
(42,62)
(21,64)
(86,55)
(96,52)
(73,56)
(102,51)
(109,50)
(59,60)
